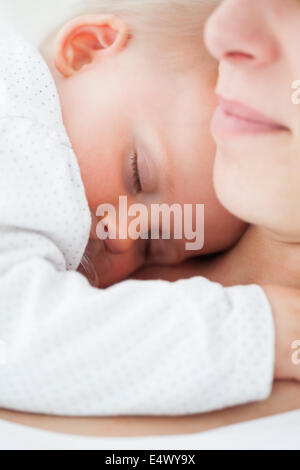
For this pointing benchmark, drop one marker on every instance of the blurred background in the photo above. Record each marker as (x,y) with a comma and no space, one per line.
(36,18)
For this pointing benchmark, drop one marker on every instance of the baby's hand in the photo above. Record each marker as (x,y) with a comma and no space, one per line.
(285,303)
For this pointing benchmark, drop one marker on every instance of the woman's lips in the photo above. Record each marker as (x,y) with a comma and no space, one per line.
(232,118)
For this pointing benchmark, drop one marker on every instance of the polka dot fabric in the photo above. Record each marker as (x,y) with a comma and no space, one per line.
(40,176)
(137,348)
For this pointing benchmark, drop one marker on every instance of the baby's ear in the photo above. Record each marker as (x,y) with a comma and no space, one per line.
(84,39)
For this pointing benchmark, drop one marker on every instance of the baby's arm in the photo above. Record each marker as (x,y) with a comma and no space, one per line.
(136,348)
(285,304)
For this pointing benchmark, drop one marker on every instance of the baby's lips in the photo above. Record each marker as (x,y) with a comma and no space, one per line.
(157,248)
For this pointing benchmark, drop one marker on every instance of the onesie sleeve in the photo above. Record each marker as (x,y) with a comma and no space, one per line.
(136,348)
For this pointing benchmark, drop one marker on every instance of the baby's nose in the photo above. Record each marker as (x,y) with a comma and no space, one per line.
(117,239)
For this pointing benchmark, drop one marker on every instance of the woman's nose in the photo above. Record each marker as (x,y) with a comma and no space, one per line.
(238,32)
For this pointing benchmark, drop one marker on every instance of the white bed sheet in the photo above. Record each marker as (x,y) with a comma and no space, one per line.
(276,432)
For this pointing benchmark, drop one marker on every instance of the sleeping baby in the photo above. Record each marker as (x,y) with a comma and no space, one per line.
(116,102)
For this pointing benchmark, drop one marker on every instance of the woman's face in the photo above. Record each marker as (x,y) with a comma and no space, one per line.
(257,126)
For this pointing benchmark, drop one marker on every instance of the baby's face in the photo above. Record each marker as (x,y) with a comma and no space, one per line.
(140,128)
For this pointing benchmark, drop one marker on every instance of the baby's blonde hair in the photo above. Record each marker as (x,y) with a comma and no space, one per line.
(158,18)
(171,27)
(166,17)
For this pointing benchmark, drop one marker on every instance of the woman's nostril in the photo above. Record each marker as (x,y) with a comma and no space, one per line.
(238,55)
